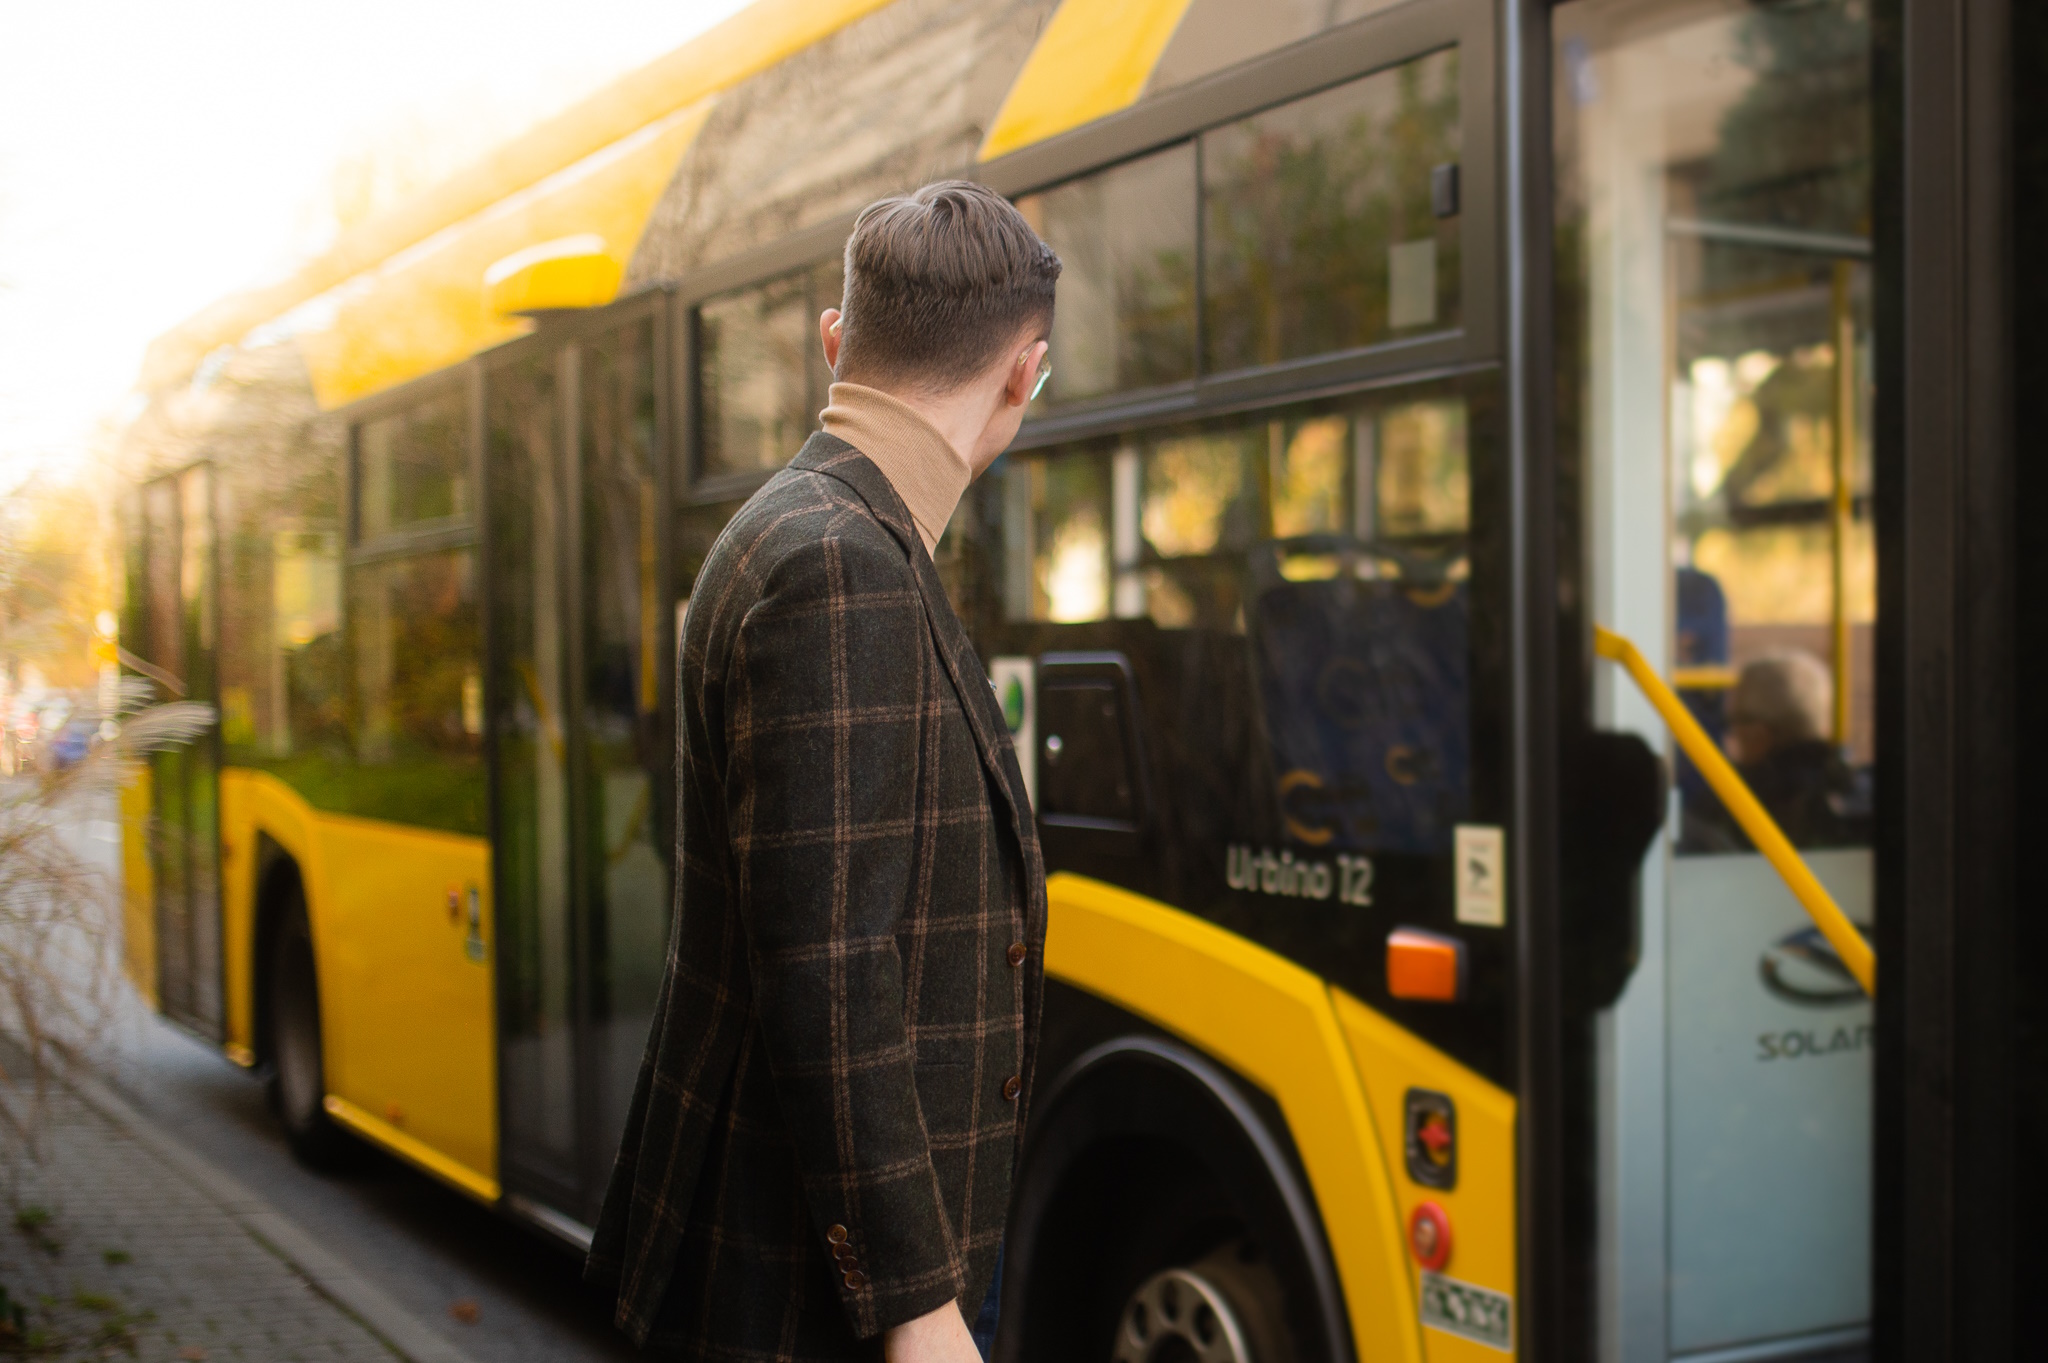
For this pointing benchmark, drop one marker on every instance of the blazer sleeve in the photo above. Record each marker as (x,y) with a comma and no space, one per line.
(828,675)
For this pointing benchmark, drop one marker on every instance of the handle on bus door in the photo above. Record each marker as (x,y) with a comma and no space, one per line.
(1855,953)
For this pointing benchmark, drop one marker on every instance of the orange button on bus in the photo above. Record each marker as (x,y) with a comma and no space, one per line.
(1425,965)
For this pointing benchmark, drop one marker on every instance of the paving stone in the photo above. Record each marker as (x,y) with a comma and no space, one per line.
(135,1261)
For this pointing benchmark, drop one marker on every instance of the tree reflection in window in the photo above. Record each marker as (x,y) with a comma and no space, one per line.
(1321,230)
(418,712)
(1126,240)
(761,378)
(413,466)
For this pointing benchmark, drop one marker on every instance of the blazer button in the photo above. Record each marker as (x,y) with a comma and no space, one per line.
(1016,953)
(836,1234)
(855,1280)
(1012,1087)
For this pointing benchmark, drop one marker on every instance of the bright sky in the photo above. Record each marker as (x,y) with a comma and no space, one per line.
(157,154)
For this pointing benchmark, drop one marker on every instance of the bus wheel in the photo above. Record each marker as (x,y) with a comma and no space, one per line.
(1224,1309)
(298,1083)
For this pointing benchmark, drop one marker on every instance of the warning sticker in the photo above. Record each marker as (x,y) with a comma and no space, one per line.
(1473,1312)
(1481,870)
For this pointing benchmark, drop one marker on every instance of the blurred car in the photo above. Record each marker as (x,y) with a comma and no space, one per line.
(71,744)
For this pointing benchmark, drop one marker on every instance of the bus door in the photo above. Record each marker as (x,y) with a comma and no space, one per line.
(583,821)
(1713,166)
(179,619)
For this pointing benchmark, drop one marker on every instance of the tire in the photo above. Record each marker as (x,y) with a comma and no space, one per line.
(298,1080)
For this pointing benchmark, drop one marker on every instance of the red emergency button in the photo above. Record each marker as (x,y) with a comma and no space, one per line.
(1429,1236)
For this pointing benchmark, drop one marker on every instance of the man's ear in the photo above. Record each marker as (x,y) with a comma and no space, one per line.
(828,336)
(1023,375)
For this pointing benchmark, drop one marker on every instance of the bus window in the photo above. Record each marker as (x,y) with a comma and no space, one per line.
(1060,507)
(1713,172)
(1126,242)
(761,381)
(1327,222)
(413,670)
(283,686)
(752,348)
(413,466)
(1258,645)
(416,723)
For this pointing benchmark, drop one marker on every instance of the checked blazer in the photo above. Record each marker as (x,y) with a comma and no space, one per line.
(822,1137)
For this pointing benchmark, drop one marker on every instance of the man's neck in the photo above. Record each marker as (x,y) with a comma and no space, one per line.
(924,467)
(961,416)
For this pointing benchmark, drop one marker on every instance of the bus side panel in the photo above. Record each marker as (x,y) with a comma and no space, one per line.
(407,1009)
(238,913)
(1481,1203)
(407,984)
(1273,1023)
(138,883)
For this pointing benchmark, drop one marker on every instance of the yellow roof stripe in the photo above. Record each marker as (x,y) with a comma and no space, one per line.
(751,41)
(428,306)
(1093,59)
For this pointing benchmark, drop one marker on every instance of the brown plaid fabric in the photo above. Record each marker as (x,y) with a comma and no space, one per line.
(821,1140)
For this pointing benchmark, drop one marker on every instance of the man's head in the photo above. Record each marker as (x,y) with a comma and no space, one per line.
(1778,700)
(948,291)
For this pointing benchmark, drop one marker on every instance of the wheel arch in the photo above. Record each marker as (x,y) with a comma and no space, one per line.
(1148,1086)
(278,876)
(1273,1026)
(281,828)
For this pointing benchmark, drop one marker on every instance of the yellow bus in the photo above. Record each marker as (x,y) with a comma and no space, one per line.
(1401,1007)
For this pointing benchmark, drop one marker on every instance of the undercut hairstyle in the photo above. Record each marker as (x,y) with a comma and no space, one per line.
(938,283)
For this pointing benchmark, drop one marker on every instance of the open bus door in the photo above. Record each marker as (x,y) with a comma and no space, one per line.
(1713,182)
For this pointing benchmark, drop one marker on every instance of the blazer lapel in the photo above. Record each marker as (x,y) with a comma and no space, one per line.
(829,455)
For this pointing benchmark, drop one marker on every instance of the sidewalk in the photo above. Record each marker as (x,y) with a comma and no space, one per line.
(123,1243)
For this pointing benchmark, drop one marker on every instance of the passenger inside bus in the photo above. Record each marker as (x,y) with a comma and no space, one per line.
(1777,736)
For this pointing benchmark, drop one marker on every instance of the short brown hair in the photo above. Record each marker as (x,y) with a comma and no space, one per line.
(938,282)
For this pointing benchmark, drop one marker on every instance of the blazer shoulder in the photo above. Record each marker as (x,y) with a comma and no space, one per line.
(805,516)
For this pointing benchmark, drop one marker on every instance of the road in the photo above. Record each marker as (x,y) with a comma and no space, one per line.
(425,1244)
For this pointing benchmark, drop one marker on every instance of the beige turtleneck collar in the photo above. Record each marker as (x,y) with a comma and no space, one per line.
(922,465)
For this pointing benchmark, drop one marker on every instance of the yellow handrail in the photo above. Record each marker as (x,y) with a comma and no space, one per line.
(1705,678)
(1763,830)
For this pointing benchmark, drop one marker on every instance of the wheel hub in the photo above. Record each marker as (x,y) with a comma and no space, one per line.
(1180,1316)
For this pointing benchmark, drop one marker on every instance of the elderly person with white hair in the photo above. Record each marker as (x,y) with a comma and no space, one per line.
(1777,737)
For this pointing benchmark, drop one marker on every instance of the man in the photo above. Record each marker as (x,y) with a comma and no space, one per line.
(818,1155)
